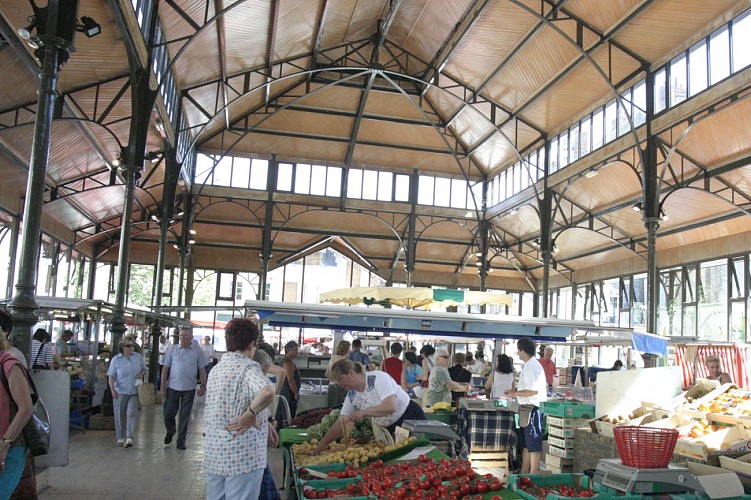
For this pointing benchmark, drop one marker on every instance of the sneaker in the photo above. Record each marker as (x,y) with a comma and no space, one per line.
(129,443)
(181,446)
(120,442)
(168,438)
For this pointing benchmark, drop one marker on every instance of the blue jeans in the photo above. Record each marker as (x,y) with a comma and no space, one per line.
(182,401)
(241,487)
(9,477)
(126,411)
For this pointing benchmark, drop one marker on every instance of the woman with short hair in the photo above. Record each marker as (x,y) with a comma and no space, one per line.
(337,393)
(715,370)
(124,370)
(440,384)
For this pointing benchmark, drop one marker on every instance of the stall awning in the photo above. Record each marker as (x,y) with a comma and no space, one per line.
(413,297)
(647,343)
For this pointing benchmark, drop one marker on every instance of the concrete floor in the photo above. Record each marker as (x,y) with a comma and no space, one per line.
(98,469)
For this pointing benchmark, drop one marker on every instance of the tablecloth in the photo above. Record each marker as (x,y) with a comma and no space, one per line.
(487,430)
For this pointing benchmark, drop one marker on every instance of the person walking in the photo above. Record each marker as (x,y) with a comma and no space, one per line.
(357,356)
(291,388)
(208,350)
(125,369)
(179,385)
(163,346)
(236,416)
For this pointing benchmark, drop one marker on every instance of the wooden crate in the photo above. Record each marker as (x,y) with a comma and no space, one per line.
(566,469)
(569,423)
(560,432)
(493,459)
(561,442)
(561,452)
(558,461)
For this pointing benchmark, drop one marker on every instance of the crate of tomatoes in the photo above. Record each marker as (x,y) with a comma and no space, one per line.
(558,486)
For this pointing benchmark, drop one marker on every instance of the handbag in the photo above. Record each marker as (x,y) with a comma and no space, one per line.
(36,432)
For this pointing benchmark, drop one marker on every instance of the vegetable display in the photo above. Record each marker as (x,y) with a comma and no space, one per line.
(528,486)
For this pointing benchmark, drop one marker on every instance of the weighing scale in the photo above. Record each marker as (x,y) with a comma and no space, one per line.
(674,478)
(497,404)
(431,427)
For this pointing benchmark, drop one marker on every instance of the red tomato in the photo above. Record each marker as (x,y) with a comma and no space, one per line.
(525,481)
(483,487)
(496,497)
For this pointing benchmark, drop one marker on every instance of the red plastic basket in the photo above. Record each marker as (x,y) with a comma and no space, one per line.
(645,447)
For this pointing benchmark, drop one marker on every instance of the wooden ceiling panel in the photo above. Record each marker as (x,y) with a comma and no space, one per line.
(525,222)
(390,104)
(299,122)
(218,210)
(445,102)
(401,134)
(295,32)
(451,230)
(603,260)
(427,33)
(544,55)
(502,26)
(471,126)
(705,235)
(675,20)
(368,156)
(20,83)
(601,15)
(311,150)
(689,205)
(720,138)
(615,183)
(246,35)
(495,152)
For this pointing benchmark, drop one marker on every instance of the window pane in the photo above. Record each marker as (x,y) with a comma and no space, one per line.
(719,55)
(540,164)
(585,135)
(517,178)
(474,196)
(563,149)
(284,177)
(385,186)
(425,190)
(597,130)
(401,193)
(241,172)
(697,67)
(678,80)
(223,172)
(611,115)
(640,103)
(334,181)
(554,155)
(302,179)
(713,305)
(573,143)
(259,174)
(318,180)
(624,112)
(369,185)
(458,193)
(204,164)
(741,42)
(442,192)
(659,90)
(354,183)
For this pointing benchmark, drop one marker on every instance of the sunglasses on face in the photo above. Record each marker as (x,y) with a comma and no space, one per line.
(127,345)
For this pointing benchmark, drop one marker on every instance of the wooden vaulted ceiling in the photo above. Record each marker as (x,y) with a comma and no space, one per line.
(443,88)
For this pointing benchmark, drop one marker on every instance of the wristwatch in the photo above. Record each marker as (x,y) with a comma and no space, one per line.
(6,440)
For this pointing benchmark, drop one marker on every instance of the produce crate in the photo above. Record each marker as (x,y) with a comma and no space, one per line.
(577,480)
(561,432)
(568,423)
(327,484)
(558,461)
(567,409)
(566,469)
(561,442)
(561,452)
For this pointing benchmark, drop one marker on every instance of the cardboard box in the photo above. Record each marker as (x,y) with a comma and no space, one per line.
(727,439)
(717,482)
(740,465)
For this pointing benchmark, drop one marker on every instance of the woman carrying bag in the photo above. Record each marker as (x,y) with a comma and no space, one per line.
(15,411)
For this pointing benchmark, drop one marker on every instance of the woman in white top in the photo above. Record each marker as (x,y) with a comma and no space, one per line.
(501,379)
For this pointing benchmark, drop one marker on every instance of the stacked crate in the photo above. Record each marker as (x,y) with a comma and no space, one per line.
(562,418)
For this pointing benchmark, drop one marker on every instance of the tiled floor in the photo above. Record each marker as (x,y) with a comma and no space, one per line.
(100,470)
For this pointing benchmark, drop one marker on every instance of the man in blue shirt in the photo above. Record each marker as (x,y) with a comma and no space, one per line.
(357,356)
(181,362)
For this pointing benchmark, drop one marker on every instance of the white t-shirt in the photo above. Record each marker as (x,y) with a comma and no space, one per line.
(502,382)
(378,386)
(532,378)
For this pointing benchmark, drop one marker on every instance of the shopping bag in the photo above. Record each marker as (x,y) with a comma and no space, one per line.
(36,432)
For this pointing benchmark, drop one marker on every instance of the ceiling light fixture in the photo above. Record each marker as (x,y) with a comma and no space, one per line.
(591,173)
(555,249)
(478,255)
(513,211)
(192,231)
(191,242)
(478,263)
(89,27)
(663,216)
(637,207)
(535,243)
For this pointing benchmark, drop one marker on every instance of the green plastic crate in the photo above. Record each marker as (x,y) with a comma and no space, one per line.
(567,409)
(577,480)
(326,484)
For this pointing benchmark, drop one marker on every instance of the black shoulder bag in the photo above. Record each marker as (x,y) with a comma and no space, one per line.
(39,366)
(36,432)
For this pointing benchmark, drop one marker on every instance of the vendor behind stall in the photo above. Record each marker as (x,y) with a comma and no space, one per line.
(530,392)
(371,394)
(715,370)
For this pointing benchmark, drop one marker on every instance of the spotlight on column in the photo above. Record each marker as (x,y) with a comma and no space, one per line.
(88,27)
